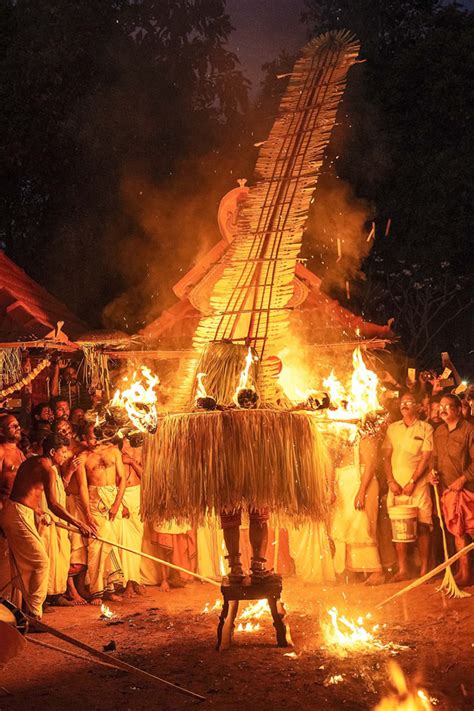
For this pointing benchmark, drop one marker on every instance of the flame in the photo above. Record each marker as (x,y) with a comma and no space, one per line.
(342,635)
(405,699)
(350,400)
(139,400)
(207,607)
(364,386)
(201,390)
(253,611)
(244,376)
(222,569)
(106,613)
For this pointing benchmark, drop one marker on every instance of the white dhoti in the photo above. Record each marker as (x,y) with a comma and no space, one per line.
(310,550)
(354,532)
(29,558)
(211,550)
(57,544)
(104,565)
(5,569)
(79,544)
(131,535)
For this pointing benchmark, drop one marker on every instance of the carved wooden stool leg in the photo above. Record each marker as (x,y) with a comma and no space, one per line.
(278,623)
(225,630)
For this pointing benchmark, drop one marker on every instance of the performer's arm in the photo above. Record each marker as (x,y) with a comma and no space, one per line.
(393,485)
(368,454)
(121,482)
(49,483)
(81,476)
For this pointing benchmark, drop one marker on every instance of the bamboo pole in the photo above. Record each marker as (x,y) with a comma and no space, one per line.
(118,663)
(144,555)
(431,574)
(68,652)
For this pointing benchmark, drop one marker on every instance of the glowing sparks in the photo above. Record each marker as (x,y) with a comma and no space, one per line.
(404,699)
(139,400)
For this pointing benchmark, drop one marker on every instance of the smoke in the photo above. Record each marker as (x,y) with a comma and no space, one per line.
(337,237)
(164,231)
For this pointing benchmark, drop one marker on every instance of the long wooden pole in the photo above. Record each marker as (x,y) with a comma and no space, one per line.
(109,660)
(144,555)
(431,574)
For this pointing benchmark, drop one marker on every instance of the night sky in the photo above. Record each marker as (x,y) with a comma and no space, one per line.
(263,28)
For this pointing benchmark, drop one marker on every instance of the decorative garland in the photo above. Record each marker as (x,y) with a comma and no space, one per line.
(26,380)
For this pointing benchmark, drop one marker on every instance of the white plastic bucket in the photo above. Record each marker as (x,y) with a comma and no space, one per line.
(403,517)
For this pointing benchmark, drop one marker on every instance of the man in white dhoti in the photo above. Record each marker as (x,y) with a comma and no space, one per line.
(131,527)
(354,522)
(407,452)
(11,457)
(78,559)
(29,558)
(102,483)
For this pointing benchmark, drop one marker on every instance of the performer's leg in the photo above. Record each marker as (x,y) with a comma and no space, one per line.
(258,533)
(230,523)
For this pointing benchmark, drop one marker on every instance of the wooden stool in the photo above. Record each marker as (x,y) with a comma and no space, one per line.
(234,592)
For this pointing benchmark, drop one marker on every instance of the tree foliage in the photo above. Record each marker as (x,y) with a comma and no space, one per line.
(405,145)
(91,93)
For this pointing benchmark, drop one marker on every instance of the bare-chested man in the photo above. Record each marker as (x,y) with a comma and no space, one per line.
(131,530)
(102,483)
(78,563)
(35,476)
(11,457)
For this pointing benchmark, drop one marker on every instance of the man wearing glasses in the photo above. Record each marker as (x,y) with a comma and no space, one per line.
(454,468)
(407,452)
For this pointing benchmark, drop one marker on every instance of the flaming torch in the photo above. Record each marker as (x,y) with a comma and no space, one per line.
(245,396)
(137,402)
(203,400)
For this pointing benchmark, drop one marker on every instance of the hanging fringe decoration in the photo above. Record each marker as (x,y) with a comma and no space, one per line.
(96,369)
(26,380)
(201,463)
(10,366)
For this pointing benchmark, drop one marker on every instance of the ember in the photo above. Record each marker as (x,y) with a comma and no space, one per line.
(106,613)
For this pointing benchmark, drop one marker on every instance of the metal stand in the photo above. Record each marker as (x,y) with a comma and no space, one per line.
(234,592)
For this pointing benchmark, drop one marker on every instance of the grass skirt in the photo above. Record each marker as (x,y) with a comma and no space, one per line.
(200,463)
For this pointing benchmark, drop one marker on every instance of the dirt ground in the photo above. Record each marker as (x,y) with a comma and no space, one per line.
(168,635)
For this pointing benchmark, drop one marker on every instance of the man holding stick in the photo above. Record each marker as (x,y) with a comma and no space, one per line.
(11,457)
(453,463)
(30,560)
(102,482)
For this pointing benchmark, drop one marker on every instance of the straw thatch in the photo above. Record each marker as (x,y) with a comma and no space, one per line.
(249,303)
(222,364)
(198,464)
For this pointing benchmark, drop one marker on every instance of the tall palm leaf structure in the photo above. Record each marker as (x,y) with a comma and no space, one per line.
(203,462)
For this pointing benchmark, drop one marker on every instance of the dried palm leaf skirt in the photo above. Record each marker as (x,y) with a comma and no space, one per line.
(200,463)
